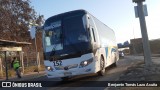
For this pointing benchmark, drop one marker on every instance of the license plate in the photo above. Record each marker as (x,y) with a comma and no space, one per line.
(67,73)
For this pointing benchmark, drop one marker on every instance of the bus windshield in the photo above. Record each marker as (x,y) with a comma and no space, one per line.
(74,30)
(66,36)
(53,36)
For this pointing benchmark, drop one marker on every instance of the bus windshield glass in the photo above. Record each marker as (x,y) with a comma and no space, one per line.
(53,36)
(74,30)
(68,35)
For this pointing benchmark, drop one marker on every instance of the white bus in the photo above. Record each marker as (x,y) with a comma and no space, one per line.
(77,43)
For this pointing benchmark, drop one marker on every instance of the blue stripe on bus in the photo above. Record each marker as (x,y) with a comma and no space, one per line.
(106,49)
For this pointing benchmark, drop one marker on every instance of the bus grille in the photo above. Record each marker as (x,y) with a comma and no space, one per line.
(66,67)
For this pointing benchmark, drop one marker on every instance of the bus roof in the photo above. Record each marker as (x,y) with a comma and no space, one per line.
(69,13)
(62,15)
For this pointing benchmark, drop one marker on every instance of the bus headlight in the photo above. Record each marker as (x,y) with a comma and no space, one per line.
(49,68)
(86,62)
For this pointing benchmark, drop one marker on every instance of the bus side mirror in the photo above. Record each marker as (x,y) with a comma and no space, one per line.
(32,31)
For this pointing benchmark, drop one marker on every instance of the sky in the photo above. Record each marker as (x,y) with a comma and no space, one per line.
(117,14)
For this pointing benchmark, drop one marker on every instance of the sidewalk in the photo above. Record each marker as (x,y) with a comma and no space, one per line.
(26,77)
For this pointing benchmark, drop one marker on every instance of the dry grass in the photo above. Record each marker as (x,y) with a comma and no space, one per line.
(33,69)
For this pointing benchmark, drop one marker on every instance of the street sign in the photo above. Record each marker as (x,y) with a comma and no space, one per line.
(144,10)
(32,32)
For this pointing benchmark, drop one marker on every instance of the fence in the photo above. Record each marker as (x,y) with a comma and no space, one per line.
(29,60)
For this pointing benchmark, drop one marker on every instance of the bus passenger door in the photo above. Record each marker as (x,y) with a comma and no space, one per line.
(93,38)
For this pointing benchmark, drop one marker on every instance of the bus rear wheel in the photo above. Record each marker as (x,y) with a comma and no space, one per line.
(102,67)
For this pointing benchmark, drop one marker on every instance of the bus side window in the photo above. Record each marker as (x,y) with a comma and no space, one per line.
(93,35)
(89,34)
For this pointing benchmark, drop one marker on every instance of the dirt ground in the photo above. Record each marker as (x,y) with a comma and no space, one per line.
(140,72)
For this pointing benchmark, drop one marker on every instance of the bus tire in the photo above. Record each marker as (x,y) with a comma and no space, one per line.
(102,67)
(65,78)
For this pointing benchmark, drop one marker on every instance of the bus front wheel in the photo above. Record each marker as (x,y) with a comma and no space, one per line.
(102,67)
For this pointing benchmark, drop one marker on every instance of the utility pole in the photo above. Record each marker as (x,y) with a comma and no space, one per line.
(146,46)
(34,24)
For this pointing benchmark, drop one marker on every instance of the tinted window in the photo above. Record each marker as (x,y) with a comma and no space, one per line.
(74,30)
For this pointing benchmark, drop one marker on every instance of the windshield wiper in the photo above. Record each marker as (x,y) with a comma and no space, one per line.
(53,51)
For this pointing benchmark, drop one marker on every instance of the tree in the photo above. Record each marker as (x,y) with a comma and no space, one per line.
(15,16)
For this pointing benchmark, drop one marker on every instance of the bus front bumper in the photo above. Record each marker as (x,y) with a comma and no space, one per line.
(70,73)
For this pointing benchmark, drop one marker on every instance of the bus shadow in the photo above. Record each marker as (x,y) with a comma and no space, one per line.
(83,79)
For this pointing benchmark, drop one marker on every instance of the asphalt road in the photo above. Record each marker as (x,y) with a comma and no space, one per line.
(112,74)
(78,83)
